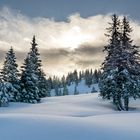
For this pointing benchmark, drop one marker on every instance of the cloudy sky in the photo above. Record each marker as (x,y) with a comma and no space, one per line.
(69,33)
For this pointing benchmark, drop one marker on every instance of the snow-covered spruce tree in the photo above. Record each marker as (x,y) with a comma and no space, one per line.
(68,79)
(119,79)
(88,78)
(29,81)
(75,90)
(75,77)
(65,90)
(56,85)
(80,76)
(41,84)
(129,65)
(63,81)
(108,82)
(44,90)
(50,83)
(95,76)
(10,76)
(31,75)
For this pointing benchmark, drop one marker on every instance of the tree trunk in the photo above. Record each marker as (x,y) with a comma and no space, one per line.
(126,103)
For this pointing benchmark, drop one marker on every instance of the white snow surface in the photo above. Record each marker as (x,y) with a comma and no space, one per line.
(79,117)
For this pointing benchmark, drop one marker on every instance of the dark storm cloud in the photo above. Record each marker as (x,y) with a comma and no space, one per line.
(55,52)
(82,52)
(83,57)
(61,59)
(88,56)
(86,63)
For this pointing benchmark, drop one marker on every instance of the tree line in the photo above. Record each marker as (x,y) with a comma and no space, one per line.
(60,85)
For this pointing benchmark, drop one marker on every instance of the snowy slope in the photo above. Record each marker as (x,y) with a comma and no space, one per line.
(81,117)
(82,88)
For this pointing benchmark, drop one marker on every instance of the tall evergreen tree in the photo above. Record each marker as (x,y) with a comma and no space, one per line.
(129,64)
(119,80)
(107,81)
(29,80)
(10,74)
(30,75)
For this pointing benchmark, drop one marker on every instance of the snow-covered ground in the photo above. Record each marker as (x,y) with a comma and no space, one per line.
(79,117)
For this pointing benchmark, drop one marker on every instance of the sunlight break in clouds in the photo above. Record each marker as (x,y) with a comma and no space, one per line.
(65,45)
(17,30)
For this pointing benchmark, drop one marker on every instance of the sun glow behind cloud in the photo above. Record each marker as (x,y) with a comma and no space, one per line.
(64,45)
(73,38)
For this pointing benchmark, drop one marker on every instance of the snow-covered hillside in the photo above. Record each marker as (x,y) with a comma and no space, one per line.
(81,88)
(80,117)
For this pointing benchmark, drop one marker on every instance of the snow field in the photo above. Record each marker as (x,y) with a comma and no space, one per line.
(80,117)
